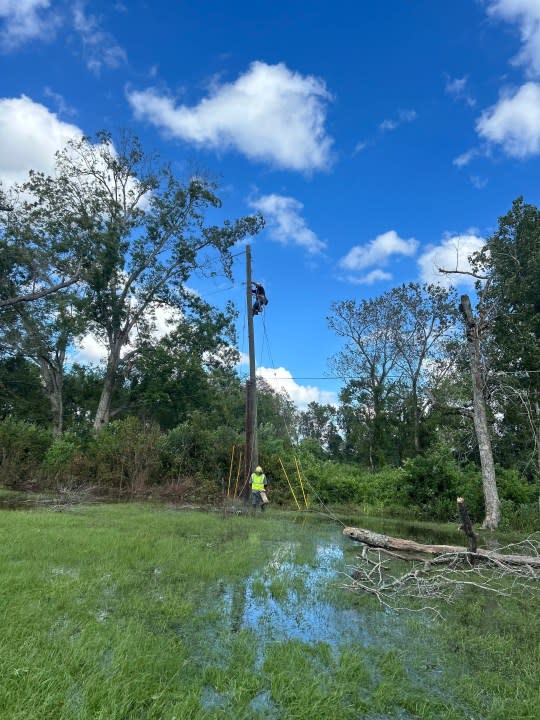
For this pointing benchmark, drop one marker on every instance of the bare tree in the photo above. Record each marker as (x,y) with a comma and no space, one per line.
(474,327)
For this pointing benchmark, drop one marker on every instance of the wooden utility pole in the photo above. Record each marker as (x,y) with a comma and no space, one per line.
(251,457)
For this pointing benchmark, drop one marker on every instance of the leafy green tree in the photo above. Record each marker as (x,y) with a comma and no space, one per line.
(147,234)
(510,266)
(424,331)
(21,391)
(369,360)
(191,368)
(320,423)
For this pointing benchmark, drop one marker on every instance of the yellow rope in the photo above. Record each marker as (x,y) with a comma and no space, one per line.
(301,483)
(230,471)
(238,473)
(292,491)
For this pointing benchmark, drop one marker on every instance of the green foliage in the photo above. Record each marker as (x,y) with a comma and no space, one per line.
(23,447)
(126,455)
(64,460)
(434,480)
(21,391)
(514,487)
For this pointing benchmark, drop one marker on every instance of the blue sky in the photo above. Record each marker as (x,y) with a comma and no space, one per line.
(380,140)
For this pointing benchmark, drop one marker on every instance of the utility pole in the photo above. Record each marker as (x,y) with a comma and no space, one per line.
(251,456)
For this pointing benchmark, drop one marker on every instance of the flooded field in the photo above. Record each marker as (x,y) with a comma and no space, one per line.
(138,611)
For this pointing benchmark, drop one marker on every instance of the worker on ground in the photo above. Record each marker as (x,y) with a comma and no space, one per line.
(259,485)
(260,298)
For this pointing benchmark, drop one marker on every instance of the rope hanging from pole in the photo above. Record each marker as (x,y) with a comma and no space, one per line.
(230,471)
(290,486)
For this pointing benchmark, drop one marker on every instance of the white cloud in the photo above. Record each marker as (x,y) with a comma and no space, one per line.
(89,350)
(100,48)
(281,380)
(369,279)
(465,158)
(269,113)
(451,254)
(30,134)
(478,182)
(404,116)
(285,222)
(378,251)
(61,105)
(457,88)
(25,20)
(514,122)
(526,14)
(359,147)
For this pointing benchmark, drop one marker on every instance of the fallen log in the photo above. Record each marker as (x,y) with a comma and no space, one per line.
(386,542)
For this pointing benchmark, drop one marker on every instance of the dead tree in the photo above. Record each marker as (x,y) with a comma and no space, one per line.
(474,327)
(440,572)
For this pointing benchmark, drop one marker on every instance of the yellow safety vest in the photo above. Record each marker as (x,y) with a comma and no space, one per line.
(257,482)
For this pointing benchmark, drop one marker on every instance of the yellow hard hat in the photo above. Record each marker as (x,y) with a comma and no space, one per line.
(258,469)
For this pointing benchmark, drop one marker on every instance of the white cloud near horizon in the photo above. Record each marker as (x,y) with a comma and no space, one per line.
(30,134)
(281,380)
(25,20)
(285,222)
(452,253)
(270,113)
(376,252)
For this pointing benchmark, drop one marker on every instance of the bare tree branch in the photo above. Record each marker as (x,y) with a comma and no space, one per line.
(29,297)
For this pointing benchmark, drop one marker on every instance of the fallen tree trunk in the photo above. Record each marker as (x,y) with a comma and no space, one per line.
(386,542)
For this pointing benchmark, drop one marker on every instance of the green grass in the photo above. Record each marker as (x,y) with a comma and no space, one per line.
(124,612)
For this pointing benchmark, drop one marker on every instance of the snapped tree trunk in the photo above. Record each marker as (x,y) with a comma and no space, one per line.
(386,542)
(491,496)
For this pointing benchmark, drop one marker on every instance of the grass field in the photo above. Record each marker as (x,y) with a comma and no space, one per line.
(135,611)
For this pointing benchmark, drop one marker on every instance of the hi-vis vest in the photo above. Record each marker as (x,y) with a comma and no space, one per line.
(257,482)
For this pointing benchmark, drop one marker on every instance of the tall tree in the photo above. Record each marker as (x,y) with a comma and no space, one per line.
(370,360)
(510,261)
(423,330)
(148,233)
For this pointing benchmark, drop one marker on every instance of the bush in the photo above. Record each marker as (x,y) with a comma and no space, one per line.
(22,449)
(126,455)
(434,480)
(522,518)
(62,461)
(513,486)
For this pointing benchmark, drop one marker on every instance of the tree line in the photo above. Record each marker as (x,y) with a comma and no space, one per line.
(436,388)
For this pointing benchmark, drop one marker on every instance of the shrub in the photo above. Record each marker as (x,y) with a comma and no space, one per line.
(61,460)
(22,449)
(434,480)
(126,455)
(513,486)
